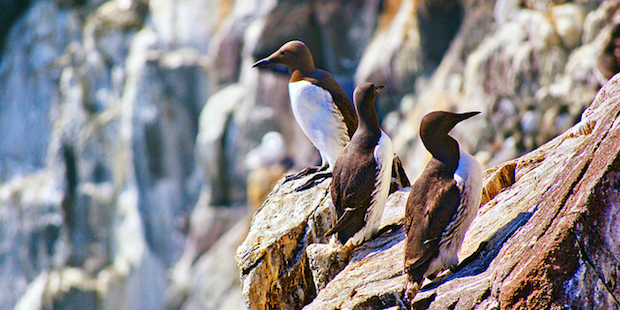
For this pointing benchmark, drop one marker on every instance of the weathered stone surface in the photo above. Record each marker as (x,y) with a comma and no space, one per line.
(529,84)
(393,57)
(213,279)
(272,259)
(213,143)
(546,237)
(28,90)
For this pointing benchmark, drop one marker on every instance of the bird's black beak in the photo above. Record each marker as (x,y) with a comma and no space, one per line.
(378,88)
(262,63)
(463,116)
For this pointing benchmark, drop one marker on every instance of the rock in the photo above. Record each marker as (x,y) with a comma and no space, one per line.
(326,261)
(498,68)
(136,279)
(266,164)
(31,221)
(597,19)
(609,61)
(393,57)
(224,56)
(33,44)
(438,23)
(187,23)
(214,281)
(327,264)
(568,20)
(207,225)
(272,259)
(164,126)
(545,236)
(218,135)
(335,37)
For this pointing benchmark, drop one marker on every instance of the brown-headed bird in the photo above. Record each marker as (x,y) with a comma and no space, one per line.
(361,175)
(320,106)
(442,203)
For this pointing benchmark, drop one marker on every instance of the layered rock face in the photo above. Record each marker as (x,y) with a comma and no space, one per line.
(126,127)
(545,237)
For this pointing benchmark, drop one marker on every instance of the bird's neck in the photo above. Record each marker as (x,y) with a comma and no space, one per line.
(445,149)
(368,121)
(302,70)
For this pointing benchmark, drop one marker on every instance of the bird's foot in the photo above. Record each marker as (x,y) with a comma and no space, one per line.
(431,276)
(409,292)
(314,180)
(399,301)
(301,173)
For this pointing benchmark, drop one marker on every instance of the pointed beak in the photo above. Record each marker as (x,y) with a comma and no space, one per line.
(378,88)
(463,116)
(262,63)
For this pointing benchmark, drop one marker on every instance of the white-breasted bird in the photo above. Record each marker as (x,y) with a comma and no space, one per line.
(361,175)
(320,106)
(442,203)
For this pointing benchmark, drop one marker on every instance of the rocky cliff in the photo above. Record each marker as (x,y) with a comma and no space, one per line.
(546,236)
(135,134)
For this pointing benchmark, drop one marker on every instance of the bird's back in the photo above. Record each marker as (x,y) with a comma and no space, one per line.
(360,184)
(434,198)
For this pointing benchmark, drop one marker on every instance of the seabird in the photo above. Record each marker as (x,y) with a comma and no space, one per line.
(361,175)
(442,203)
(320,106)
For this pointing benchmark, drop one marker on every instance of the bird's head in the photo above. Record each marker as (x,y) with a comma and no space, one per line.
(439,123)
(294,54)
(364,95)
(364,100)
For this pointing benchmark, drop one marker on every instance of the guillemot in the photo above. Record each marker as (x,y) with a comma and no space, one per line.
(320,106)
(442,203)
(361,175)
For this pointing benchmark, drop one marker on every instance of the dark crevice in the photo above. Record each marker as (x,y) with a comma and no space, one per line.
(484,295)
(438,23)
(599,275)
(424,303)
(71,185)
(299,252)
(246,271)
(220,194)
(11,11)
(479,261)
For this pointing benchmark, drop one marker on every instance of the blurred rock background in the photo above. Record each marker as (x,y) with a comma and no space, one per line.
(125,125)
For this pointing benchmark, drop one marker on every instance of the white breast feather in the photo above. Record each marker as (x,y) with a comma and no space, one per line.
(384,155)
(319,118)
(468,177)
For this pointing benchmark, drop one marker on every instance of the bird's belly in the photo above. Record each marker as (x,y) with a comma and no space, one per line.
(319,118)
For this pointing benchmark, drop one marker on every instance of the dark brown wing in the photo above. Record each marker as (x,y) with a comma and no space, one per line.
(353,181)
(324,79)
(433,200)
